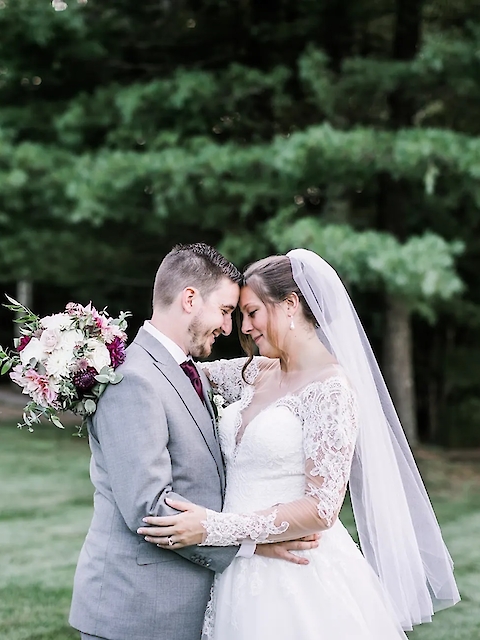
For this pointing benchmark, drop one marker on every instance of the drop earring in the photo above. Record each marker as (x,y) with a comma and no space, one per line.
(292,325)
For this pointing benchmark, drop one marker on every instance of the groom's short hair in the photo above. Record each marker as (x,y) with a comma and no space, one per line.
(197,265)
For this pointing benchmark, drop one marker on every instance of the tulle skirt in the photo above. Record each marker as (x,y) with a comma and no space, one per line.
(336,596)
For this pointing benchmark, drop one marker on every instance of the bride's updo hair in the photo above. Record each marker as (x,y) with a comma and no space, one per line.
(272,281)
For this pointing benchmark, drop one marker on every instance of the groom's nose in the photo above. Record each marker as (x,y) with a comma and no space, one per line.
(227,324)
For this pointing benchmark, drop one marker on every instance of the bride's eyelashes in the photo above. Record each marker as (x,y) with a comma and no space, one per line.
(249,314)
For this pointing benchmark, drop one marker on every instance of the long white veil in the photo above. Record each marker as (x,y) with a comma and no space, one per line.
(398,530)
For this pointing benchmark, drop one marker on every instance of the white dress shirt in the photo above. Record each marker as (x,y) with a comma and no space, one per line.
(177,353)
(247,548)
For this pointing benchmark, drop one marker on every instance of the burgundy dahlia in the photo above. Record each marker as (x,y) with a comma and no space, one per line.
(24,340)
(117,352)
(85,379)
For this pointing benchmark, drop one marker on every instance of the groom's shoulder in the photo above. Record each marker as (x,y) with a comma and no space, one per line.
(138,362)
(139,378)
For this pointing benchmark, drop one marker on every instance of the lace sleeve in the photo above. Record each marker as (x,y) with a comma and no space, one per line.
(330,432)
(329,416)
(226,376)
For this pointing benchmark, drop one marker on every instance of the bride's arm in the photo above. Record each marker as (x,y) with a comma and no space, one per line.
(330,427)
(225,376)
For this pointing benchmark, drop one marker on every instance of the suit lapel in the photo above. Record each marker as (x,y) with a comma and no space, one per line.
(207,395)
(202,416)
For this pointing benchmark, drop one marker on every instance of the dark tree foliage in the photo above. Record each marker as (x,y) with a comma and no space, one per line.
(348,127)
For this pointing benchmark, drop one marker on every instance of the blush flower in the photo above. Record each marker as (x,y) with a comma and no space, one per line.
(49,339)
(41,389)
(112,331)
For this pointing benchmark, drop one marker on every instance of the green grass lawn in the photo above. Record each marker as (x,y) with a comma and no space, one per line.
(45,509)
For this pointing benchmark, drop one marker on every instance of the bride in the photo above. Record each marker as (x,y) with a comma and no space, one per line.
(305,418)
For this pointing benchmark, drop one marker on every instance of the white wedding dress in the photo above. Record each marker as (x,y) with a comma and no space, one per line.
(288,444)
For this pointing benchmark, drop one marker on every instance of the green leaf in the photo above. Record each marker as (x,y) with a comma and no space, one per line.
(6,367)
(118,377)
(100,389)
(56,422)
(104,379)
(90,406)
(13,301)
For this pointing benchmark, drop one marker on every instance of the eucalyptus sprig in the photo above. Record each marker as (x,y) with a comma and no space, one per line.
(24,316)
(7,360)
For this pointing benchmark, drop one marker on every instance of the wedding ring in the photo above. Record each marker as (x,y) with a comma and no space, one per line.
(170,541)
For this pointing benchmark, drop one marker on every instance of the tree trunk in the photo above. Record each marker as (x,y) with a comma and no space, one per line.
(398,365)
(24,296)
(394,204)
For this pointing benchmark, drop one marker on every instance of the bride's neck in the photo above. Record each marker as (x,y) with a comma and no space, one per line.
(304,351)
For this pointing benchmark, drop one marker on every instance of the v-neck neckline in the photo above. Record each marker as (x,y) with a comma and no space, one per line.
(245,402)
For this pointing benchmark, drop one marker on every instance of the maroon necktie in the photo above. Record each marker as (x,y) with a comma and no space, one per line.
(191,371)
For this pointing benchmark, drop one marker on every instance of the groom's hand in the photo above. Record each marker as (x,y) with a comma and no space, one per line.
(283,550)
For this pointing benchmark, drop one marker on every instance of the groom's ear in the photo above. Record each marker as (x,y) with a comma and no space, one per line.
(189,298)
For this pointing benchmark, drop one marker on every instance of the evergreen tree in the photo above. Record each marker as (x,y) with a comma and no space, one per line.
(124,129)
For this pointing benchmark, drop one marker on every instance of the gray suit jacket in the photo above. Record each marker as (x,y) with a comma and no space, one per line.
(151,435)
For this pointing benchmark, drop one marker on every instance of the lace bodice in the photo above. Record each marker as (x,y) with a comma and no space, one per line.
(288,471)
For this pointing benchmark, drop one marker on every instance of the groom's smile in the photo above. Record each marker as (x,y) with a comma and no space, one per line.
(214,318)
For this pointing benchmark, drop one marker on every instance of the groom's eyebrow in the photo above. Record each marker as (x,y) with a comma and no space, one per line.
(230,307)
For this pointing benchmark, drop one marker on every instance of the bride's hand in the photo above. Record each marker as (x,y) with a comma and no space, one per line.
(175,532)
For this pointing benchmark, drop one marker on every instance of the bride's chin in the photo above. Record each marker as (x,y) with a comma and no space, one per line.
(265,351)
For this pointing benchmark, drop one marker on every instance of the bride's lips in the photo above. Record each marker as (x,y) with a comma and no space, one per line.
(257,338)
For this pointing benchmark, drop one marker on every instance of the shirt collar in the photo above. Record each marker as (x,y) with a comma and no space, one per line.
(172,347)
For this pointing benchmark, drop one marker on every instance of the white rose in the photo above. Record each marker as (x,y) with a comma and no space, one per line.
(69,340)
(34,350)
(99,355)
(49,339)
(59,362)
(57,321)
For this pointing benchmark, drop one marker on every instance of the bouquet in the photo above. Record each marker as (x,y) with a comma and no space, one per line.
(65,361)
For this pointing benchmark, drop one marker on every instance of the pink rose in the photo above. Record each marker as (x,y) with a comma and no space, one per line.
(49,339)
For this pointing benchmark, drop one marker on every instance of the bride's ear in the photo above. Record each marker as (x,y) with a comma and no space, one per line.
(292,303)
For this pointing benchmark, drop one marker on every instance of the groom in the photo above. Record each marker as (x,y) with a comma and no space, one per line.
(153,435)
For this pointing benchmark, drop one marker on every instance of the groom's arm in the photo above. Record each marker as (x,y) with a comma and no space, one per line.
(130,426)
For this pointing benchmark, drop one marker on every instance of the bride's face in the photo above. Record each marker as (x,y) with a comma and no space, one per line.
(264,324)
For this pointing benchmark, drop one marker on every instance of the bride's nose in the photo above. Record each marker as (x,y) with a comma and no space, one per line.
(246,324)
